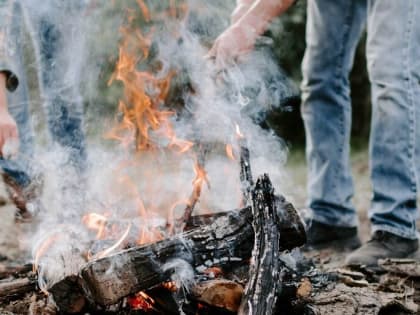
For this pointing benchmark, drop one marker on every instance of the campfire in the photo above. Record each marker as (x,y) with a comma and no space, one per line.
(164,244)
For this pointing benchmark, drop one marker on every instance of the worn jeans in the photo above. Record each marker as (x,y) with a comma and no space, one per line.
(393,48)
(58,44)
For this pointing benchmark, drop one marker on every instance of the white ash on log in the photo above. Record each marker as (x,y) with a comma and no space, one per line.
(264,283)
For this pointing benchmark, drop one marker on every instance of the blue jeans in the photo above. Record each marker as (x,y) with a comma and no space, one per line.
(393,47)
(59,68)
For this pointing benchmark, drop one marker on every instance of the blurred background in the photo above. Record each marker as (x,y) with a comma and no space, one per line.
(287,32)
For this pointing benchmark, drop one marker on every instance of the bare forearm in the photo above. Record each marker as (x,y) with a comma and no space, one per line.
(262,12)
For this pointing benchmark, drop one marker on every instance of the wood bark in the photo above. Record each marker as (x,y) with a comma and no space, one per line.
(291,225)
(16,288)
(228,240)
(264,283)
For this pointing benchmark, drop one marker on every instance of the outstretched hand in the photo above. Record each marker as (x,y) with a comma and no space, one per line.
(235,41)
(8,126)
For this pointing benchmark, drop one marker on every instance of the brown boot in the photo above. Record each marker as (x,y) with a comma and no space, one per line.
(382,245)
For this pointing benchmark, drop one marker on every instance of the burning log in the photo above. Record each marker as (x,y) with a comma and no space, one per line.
(227,241)
(264,282)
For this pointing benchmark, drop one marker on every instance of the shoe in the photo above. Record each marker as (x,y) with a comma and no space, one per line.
(382,245)
(322,235)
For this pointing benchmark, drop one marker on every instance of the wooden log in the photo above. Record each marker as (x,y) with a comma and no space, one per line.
(226,241)
(291,225)
(219,293)
(7,270)
(264,283)
(14,289)
(68,294)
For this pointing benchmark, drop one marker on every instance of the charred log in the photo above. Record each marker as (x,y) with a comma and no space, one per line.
(291,226)
(226,241)
(69,295)
(265,275)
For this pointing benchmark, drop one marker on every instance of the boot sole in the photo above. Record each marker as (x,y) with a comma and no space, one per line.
(350,243)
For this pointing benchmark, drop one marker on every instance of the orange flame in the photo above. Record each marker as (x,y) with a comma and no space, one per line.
(229,152)
(95,222)
(115,246)
(144,95)
(43,248)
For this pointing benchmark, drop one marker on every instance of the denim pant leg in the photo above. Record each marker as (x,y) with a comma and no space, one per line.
(333,31)
(393,49)
(21,168)
(59,83)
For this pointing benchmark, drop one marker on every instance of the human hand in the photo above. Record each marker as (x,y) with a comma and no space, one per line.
(237,40)
(8,126)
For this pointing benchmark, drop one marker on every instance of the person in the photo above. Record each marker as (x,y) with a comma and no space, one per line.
(56,42)
(393,43)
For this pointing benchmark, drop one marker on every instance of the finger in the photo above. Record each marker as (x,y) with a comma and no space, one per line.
(14,133)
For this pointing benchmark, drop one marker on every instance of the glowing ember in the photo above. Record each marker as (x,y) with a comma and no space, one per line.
(141,301)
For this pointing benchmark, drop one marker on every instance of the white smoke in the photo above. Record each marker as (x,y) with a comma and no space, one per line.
(115,182)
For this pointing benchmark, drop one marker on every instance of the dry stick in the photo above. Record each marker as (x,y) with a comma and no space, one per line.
(196,193)
(245,175)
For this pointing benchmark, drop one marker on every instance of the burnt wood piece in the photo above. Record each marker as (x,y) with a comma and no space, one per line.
(226,241)
(220,293)
(68,294)
(264,283)
(245,174)
(15,289)
(292,228)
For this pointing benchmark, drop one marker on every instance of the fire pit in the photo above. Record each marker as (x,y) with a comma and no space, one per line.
(163,247)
